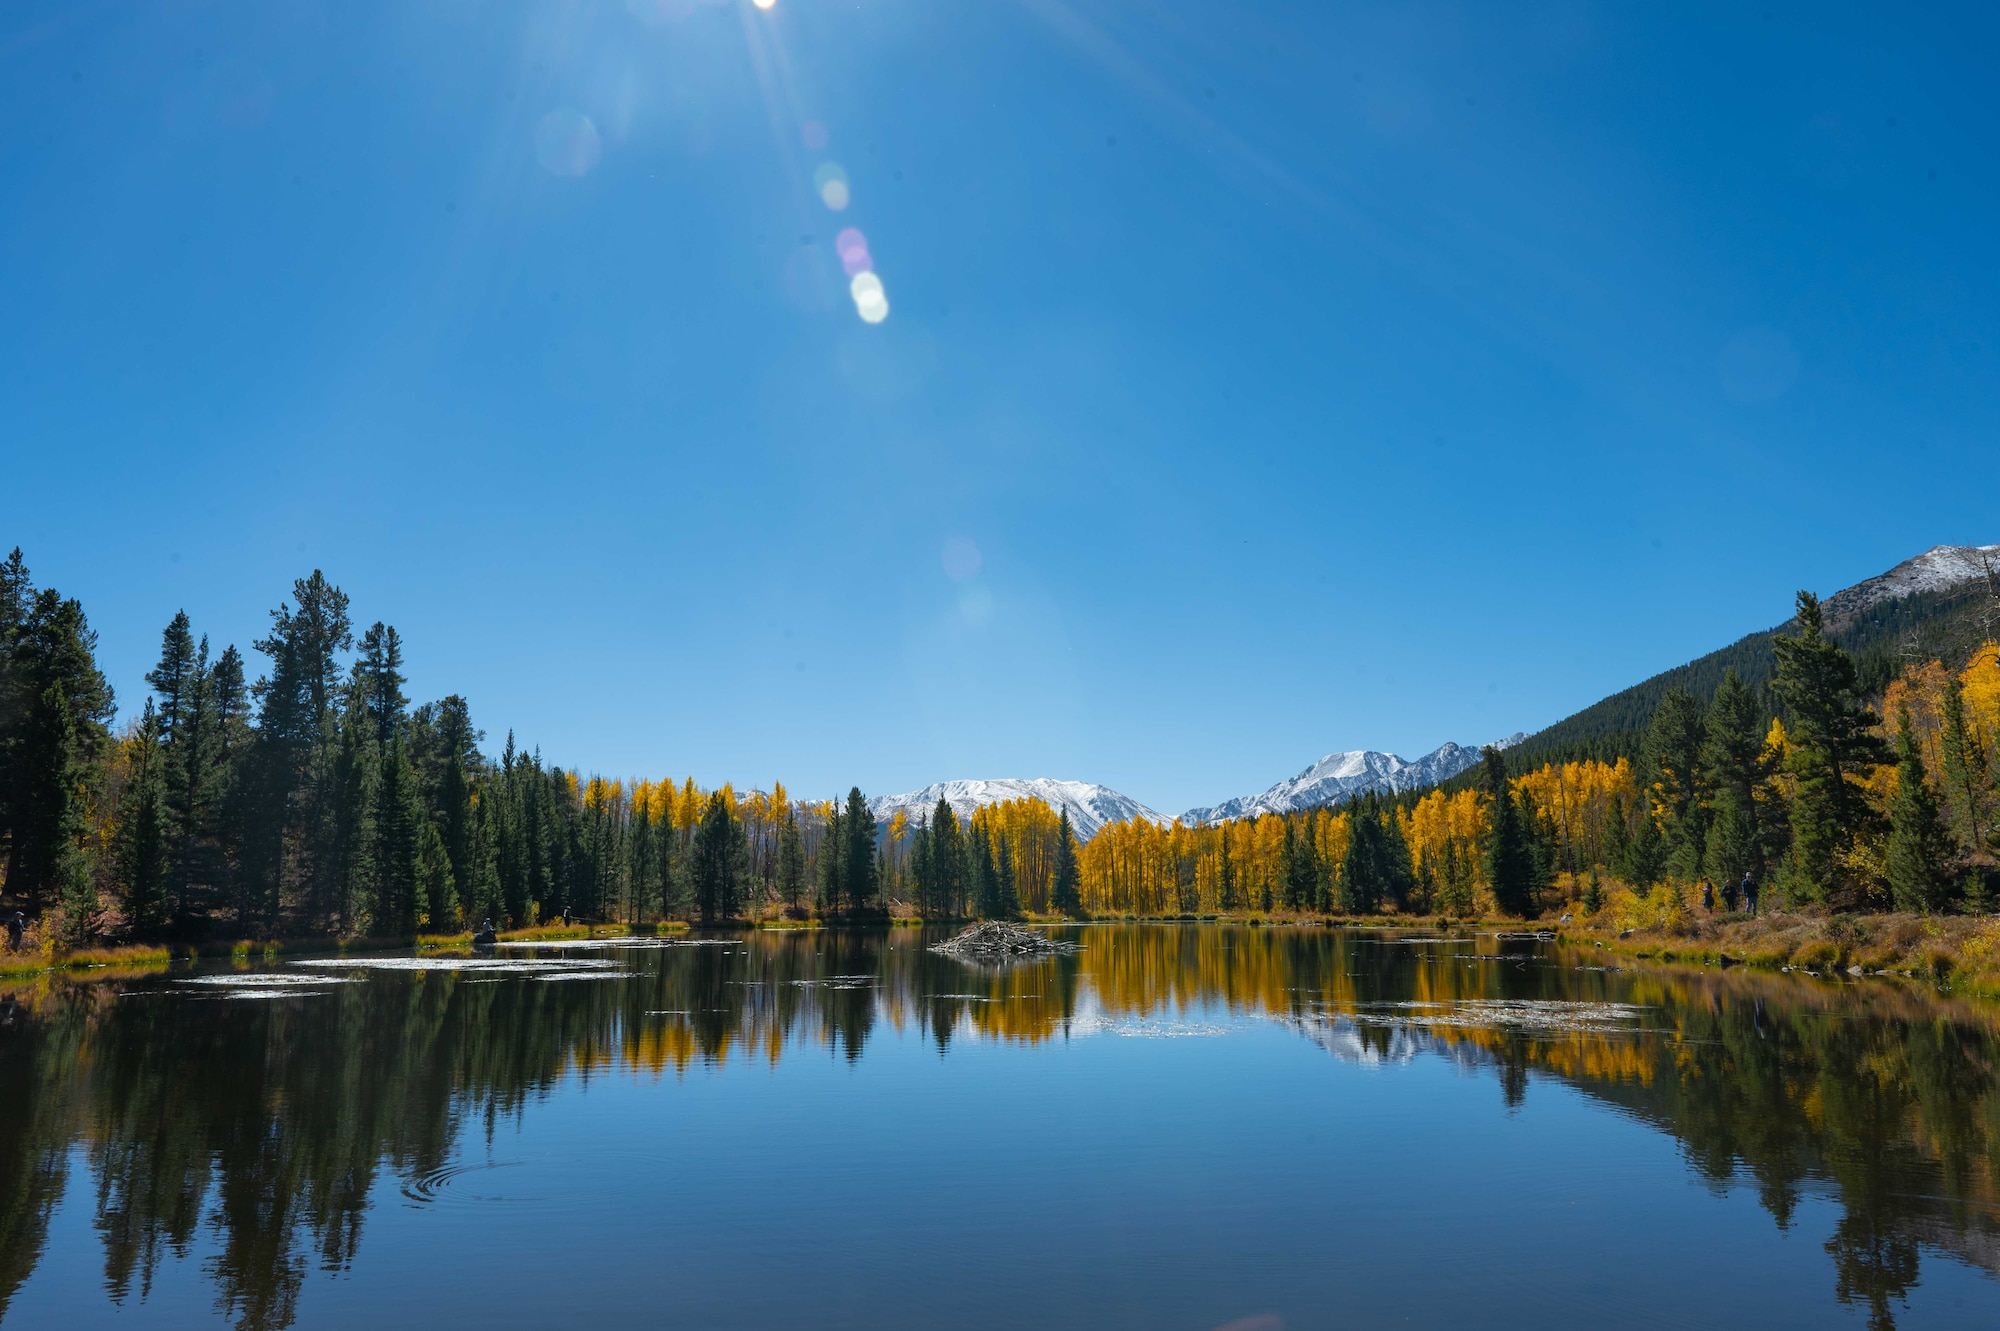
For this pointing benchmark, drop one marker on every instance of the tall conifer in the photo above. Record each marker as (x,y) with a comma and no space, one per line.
(1510,867)
(1920,848)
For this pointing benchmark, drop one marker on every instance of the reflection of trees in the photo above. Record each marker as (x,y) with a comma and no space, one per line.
(263,1127)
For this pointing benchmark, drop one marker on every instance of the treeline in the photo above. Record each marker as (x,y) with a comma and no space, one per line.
(1822,787)
(318,800)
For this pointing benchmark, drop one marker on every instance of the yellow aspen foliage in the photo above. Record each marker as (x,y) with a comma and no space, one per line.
(1448,828)
(1576,799)
(1981,680)
(1920,688)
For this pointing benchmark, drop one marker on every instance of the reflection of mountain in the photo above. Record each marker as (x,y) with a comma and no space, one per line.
(270,1123)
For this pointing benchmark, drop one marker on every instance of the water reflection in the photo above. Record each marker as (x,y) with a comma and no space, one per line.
(261,1127)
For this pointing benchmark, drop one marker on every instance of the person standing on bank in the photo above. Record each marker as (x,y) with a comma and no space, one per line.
(15,924)
(1749,890)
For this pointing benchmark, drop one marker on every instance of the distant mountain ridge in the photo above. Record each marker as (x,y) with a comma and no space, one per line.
(1340,775)
(1090,806)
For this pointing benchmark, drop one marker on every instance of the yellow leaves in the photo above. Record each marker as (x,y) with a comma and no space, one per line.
(1920,688)
(1443,825)
(1981,679)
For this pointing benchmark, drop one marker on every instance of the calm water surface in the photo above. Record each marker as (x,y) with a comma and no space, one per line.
(1181,1127)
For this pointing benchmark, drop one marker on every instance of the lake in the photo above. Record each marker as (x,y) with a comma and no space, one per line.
(1185,1127)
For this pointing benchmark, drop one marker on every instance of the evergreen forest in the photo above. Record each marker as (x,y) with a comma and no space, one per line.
(296,790)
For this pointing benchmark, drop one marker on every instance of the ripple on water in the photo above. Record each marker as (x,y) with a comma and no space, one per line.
(439,1185)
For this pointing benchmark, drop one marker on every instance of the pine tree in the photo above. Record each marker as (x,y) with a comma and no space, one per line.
(481,894)
(142,852)
(350,809)
(1399,875)
(791,860)
(1362,871)
(980,869)
(1646,857)
(56,739)
(436,892)
(860,875)
(1920,847)
(717,861)
(949,862)
(1833,748)
(641,870)
(1064,897)
(1510,866)
(295,728)
(1618,839)
(1455,894)
(1674,749)
(1006,894)
(379,680)
(832,860)
(398,818)
(1732,757)
(1301,873)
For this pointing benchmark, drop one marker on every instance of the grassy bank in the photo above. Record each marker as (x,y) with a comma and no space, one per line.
(37,958)
(553,933)
(142,956)
(1961,953)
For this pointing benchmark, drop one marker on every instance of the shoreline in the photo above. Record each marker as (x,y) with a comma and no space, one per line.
(1954,954)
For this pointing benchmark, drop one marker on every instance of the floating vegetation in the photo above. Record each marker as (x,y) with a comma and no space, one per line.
(262,985)
(456,963)
(1533,1016)
(1147,1028)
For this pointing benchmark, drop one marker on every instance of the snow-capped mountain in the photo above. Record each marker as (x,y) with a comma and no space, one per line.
(1940,568)
(1339,775)
(1090,806)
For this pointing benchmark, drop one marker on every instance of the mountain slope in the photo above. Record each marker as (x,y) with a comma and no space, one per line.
(1938,604)
(1090,806)
(1339,775)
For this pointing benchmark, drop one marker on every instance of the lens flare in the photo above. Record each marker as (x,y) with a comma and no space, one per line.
(567,143)
(764,4)
(834,195)
(865,287)
(850,238)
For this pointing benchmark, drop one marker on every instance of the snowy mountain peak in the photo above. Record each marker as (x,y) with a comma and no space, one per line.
(1940,568)
(1339,775)
(1090,806)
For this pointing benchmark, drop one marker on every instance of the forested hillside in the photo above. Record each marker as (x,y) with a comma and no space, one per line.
(1947,626)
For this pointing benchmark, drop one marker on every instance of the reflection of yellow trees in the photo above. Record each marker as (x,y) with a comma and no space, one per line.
(276,1134)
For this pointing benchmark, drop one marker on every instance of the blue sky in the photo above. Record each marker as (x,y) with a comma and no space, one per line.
(1258,380)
